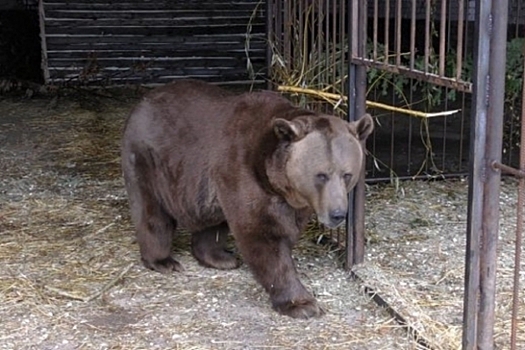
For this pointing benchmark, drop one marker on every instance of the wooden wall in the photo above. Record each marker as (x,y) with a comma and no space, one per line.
(116,42)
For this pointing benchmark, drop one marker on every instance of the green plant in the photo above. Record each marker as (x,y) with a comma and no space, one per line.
(513,93)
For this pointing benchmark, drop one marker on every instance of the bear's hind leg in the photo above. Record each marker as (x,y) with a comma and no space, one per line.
(154,226)
(209,248)
(155,237)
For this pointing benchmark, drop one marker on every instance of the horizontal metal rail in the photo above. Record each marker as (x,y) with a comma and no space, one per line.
(436,79)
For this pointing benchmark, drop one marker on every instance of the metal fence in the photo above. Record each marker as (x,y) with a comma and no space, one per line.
(432,72)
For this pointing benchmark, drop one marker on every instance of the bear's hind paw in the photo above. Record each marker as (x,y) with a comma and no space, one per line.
(302,309)
(165,265)
(218,259)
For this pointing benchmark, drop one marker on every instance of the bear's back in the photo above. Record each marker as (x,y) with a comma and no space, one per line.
(190,132)
(200,115)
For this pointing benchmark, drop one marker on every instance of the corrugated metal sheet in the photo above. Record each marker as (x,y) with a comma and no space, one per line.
(151,41)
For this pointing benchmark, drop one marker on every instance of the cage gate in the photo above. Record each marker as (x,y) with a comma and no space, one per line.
(453,49)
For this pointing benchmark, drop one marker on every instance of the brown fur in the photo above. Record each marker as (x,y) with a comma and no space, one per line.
(198,157)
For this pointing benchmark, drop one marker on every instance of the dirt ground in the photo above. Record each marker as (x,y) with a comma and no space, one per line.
(72,279)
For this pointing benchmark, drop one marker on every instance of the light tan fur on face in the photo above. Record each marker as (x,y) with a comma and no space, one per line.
(317,154)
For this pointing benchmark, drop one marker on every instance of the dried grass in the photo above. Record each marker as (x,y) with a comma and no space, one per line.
(416,262)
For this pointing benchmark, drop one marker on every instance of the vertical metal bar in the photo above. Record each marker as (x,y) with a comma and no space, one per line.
(343,33)
(445,130)
(483,219)
(476,170)
(334,39)
(387,41)
(290,20)
(398,32)
(467,51)
(356,108)
(319,40)
(462,131)
(411,97)
(270,39)
(299,12)
(447,34)
(442,37)
(353,11)
(375,30)
(459,47)
(496,93)
(327,37)
(278,28)
(427,34)
(360,110)
(387,29)
(519,231)
(413,35)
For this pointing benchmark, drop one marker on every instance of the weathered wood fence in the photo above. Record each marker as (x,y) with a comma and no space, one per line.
(151,41)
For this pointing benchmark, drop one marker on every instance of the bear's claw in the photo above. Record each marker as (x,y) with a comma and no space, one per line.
(165,265)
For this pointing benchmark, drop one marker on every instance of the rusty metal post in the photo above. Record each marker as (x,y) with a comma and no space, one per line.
(484,180)
(355,224)
(488,258)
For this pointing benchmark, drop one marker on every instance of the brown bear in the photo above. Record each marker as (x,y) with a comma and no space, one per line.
(198,157)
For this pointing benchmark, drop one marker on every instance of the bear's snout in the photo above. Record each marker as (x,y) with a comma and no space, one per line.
(337,217)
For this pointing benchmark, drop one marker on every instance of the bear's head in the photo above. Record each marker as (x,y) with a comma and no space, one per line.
(318,161)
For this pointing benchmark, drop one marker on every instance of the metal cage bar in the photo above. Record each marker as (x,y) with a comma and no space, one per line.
(484,180)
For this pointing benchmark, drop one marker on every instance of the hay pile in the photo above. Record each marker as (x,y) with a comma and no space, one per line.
(416,255)
(71,276)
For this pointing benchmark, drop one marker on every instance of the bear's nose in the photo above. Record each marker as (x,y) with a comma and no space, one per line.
(337,216)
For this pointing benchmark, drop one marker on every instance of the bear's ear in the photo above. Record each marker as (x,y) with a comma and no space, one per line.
(362,127)
(287,130)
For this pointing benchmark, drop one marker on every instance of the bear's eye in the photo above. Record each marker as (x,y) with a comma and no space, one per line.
(347,177)
(322,177)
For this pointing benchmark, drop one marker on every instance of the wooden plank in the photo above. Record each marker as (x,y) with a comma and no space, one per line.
(146,75)
(217,62)
(131,14)
(144,6)
(161,80)
(66,53)
(155,31)
(187,49)
(43,43)
(125,40)
(127,20)
(147,22)
(195,3)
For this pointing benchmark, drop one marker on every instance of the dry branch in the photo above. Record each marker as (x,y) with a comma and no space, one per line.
(94,295)
(338,98)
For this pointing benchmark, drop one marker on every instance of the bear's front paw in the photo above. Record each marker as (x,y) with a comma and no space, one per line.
(303,309)
(163,265)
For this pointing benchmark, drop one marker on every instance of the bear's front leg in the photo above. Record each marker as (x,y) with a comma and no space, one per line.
(269,257)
